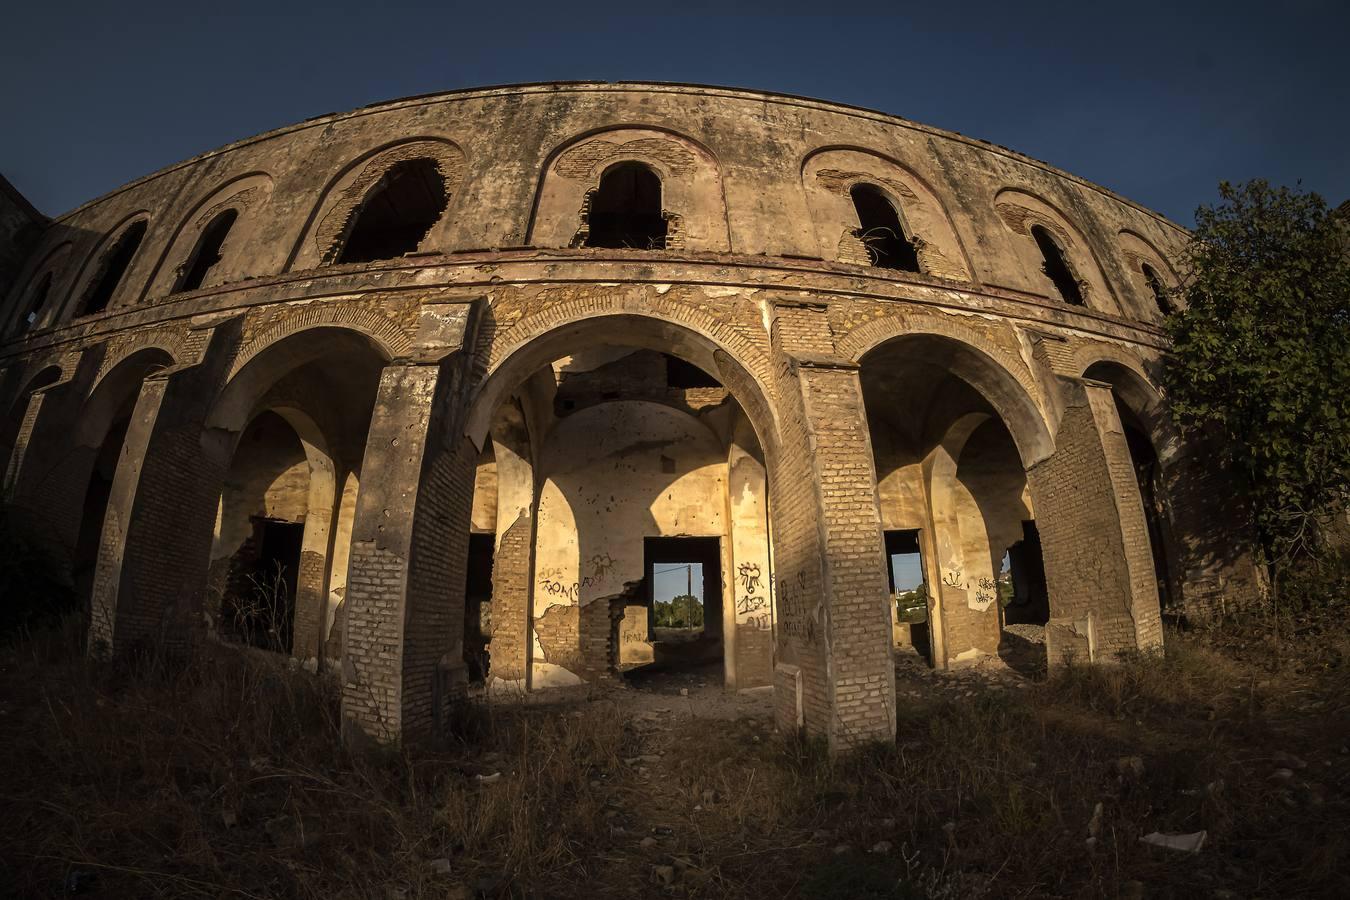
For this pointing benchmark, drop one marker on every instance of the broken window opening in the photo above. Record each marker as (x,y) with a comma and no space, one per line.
(37,300)
(1056,267)
(208,251)
(625,210)
(112,267)
(880,229)
(478,605)
(909,587)
(1155,284)
(397,213)
(681,374)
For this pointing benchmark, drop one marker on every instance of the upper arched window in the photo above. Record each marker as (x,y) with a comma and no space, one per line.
(397,213)
(1056,267)
(37,299)
(1155,284)
(207,252)
(625,210)
(111,268)
(880,230)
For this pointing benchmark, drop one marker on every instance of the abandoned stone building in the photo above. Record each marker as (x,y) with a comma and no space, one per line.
(441,391)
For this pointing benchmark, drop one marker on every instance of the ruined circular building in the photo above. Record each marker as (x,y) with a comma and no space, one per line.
(546,384)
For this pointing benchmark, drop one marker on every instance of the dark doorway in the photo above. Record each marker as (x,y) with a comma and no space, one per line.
(478,605)
(683,581)
(1029,603)
(261,605)
(909,589)
(625,210)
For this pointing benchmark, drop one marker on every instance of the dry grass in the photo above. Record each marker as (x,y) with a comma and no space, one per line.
(226,777)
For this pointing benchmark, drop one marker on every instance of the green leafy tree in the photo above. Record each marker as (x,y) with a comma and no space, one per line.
(1261,357)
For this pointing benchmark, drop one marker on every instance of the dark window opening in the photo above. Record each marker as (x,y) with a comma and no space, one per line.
(909,588)
(207,254)
(880,230)
(261,604)
(37,300)
(683,585)
(95,506)
(1155,284)
(478,605)
(681,374)
(111,269)
(397,213)
(1023,592)
(1056,268)
(625,210)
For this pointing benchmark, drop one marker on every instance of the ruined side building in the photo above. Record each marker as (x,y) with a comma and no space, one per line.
(437,390)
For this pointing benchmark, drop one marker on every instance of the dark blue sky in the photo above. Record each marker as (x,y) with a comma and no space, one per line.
(1158,103)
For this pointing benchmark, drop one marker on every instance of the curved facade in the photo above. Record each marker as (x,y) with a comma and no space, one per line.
(445,388)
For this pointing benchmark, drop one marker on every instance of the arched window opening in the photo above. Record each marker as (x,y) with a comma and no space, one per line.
(36,301)
(1056,268)
(1155,284)
(397,213)
(207,254)
(112,267)
(880,230)
(625,210)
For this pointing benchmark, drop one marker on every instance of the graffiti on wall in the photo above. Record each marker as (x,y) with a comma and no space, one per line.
(598,568)
(795,608)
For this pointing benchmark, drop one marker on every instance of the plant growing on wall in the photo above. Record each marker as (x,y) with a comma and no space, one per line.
(1261,358)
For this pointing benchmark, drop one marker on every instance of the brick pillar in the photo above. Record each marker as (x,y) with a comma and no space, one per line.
(513,559)
(155,545)
(104,633)
(403,655)
(1098,566)
(32,410)
(833,624)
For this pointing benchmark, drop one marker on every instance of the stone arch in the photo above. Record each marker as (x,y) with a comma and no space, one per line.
(1129,379)
(245,194)
(117,382)
(1003,382)
(51,264)
(274,381)
(277,351)
(168,341)
(1020,212)
(693,194)
(344,193)
(538,340)
(384,333)
(1140,252)
(93,266)
(829,173)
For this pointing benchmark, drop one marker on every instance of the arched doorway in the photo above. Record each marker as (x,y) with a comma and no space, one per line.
(624,484)
(289,432)
(952,436)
